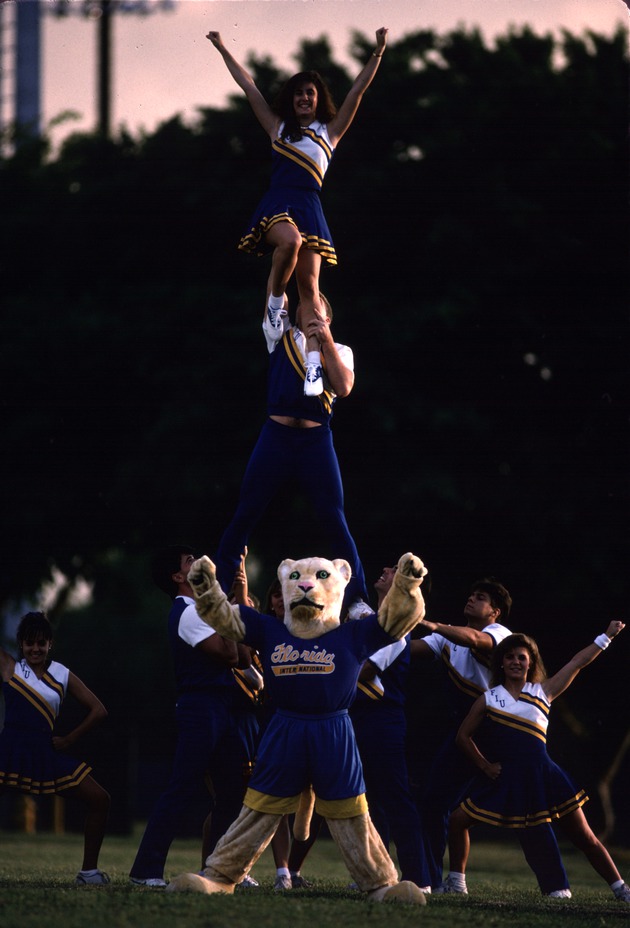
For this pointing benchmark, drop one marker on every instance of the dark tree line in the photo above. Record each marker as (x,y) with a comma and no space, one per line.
(479,210)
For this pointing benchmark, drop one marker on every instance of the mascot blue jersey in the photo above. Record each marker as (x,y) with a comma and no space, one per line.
(317,675)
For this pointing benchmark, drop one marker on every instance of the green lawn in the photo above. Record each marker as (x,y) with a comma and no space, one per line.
(36,874)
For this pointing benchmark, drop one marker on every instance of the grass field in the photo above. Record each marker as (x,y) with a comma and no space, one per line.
(37,872)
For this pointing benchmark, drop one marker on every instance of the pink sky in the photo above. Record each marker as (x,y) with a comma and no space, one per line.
(163,64)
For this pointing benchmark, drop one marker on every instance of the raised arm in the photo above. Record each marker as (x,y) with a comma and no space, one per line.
(211,602)
(348,109)
(560,681)
(403,606)
(262,111)
(240,586)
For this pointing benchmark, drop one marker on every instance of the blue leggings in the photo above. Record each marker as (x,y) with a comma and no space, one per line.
(381,730)
(283,453)
(212,740)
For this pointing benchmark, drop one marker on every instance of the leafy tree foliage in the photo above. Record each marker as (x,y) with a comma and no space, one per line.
(478,206)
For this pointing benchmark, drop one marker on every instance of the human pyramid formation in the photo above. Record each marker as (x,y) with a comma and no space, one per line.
(336,737)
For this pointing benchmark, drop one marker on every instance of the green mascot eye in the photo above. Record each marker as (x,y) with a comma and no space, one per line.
(294,575)
(322,574)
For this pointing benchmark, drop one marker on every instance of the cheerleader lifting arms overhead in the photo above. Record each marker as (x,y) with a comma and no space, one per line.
(304,127)
(519,785)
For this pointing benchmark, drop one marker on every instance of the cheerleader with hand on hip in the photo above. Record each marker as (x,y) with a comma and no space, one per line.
(32,758)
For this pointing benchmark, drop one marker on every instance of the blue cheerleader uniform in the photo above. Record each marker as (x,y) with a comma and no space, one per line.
(531,788)
(297,175)
(28,761)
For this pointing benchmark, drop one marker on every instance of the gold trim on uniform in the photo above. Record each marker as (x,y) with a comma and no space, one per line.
(35,698)
(299,365)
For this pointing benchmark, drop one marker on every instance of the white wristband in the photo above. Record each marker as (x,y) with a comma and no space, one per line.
(602,641)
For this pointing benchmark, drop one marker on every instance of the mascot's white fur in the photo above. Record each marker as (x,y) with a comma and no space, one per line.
(313,592)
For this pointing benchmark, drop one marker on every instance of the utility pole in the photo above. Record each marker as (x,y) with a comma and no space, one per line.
(27,68)
(20,66)
(102,11)
(104,68)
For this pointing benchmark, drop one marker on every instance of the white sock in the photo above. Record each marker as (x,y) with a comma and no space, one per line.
(88,872)
(312,357)
(616,885)
(276,302)
(283,871)
(458,878)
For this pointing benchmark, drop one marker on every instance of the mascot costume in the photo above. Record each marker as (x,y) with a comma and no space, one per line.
(308,754)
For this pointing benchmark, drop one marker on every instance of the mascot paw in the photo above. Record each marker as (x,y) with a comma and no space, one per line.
(405,891)
(411,566)
(202,575)
(194,883)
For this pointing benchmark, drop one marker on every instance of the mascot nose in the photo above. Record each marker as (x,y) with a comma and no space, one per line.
(305,587)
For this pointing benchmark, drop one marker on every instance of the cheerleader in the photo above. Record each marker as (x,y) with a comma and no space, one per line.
(31,758)
(522,787)
(304,127)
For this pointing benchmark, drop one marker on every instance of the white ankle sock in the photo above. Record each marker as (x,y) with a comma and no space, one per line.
(458,878)
(276,302)
(283,871)
(312,357)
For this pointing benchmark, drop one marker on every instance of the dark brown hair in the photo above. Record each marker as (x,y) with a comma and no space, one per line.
(283,104)
(32,626)
(499,596)
(536,673)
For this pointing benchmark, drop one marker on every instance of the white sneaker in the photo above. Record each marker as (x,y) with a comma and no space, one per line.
(91,878)
(450,886)
(274,323)
(155,882)
(282,884)
(314,381)
(559,894)
(622,893)
(248,882)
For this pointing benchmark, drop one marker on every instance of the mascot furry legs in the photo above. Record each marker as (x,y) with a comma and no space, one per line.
(363,852)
